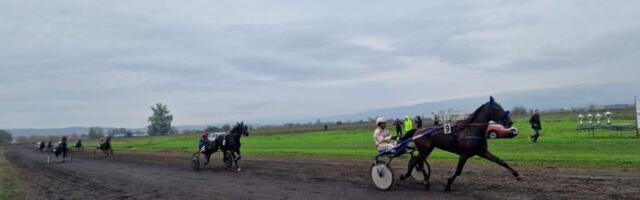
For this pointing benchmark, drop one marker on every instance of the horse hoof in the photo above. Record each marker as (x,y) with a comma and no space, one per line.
(403,177)
(239,170)
(447,189)
(427,187)
(518,178)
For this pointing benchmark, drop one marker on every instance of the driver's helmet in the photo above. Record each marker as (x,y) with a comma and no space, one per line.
(204,136)
(63,139)
(380,120)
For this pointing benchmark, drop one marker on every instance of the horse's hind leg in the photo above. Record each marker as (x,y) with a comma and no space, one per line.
(461,162)
(489,156)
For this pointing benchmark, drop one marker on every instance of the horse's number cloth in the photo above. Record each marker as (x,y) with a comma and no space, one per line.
(447,128)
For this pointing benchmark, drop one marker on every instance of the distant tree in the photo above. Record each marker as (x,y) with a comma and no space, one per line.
(212,129)
(592,107)
(128,133)
(118,132)
(5,136)
(226,127)
(339,123)
(22,139)
(95,133)
(519,110)
(160,120)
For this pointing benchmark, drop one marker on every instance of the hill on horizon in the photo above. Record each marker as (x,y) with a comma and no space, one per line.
(581,95)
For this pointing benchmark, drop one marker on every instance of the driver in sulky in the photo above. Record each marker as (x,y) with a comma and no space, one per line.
(382,137)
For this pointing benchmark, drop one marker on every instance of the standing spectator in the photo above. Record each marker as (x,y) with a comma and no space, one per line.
(418,122)
(326,127)
(408,124)
(398,125)
(535,125)
(436,120)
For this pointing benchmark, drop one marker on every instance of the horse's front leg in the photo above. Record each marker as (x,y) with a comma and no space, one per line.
(235,160)
(489,156)
(239,156)
(463,159)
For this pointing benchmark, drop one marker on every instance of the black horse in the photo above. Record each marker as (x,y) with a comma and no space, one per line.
(105,147)
(60,150)
(229,144)
(78,145)
(40,146)
(467,139)
(231,147)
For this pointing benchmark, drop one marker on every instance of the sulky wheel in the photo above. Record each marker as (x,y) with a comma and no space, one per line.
(195,160)
(381,175)
(419,172)
(70,155)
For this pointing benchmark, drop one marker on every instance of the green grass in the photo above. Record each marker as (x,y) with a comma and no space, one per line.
(559,146)
(10,185)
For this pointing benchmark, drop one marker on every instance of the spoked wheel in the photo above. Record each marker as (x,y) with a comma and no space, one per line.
(420,172)
(228,159)
(381,175)
(70,155)
(195,160)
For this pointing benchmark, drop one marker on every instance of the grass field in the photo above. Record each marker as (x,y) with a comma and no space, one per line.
(10,185)
(559,146)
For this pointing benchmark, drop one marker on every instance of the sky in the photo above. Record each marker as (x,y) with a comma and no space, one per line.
(105,63)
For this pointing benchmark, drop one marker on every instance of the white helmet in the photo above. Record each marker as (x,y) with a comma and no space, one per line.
(379,120)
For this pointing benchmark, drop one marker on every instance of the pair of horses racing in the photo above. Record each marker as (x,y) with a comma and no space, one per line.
(227,143)
(467,138)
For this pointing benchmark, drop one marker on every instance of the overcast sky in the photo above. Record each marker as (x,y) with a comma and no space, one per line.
(84,63)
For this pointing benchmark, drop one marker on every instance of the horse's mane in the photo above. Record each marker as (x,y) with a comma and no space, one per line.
(473,115)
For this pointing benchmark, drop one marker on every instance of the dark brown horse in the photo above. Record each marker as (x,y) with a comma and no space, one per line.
(467,139)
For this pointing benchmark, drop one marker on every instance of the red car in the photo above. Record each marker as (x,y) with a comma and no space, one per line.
(498,131)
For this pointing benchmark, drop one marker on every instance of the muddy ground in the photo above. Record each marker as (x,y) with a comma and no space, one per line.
(169,176)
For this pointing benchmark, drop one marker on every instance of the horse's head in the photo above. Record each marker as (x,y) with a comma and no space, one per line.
(497,114)
(240,129)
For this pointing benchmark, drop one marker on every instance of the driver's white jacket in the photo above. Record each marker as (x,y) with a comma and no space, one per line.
(383,139)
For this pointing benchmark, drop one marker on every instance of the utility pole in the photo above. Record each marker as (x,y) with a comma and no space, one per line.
(637,111)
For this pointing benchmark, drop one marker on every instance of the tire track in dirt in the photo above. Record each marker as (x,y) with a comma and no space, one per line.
(169,176)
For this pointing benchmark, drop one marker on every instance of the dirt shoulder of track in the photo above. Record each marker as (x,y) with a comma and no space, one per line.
(169,176)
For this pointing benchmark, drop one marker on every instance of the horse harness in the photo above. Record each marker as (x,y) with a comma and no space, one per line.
(454,133)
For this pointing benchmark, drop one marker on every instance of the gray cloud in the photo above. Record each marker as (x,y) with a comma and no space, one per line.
(87,63)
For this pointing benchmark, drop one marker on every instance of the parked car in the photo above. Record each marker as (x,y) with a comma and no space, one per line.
(498,131)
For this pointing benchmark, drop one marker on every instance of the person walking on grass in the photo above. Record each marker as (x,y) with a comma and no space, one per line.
(398,125)
(536,126)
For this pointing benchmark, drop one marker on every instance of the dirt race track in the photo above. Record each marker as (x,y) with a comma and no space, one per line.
(169,176)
